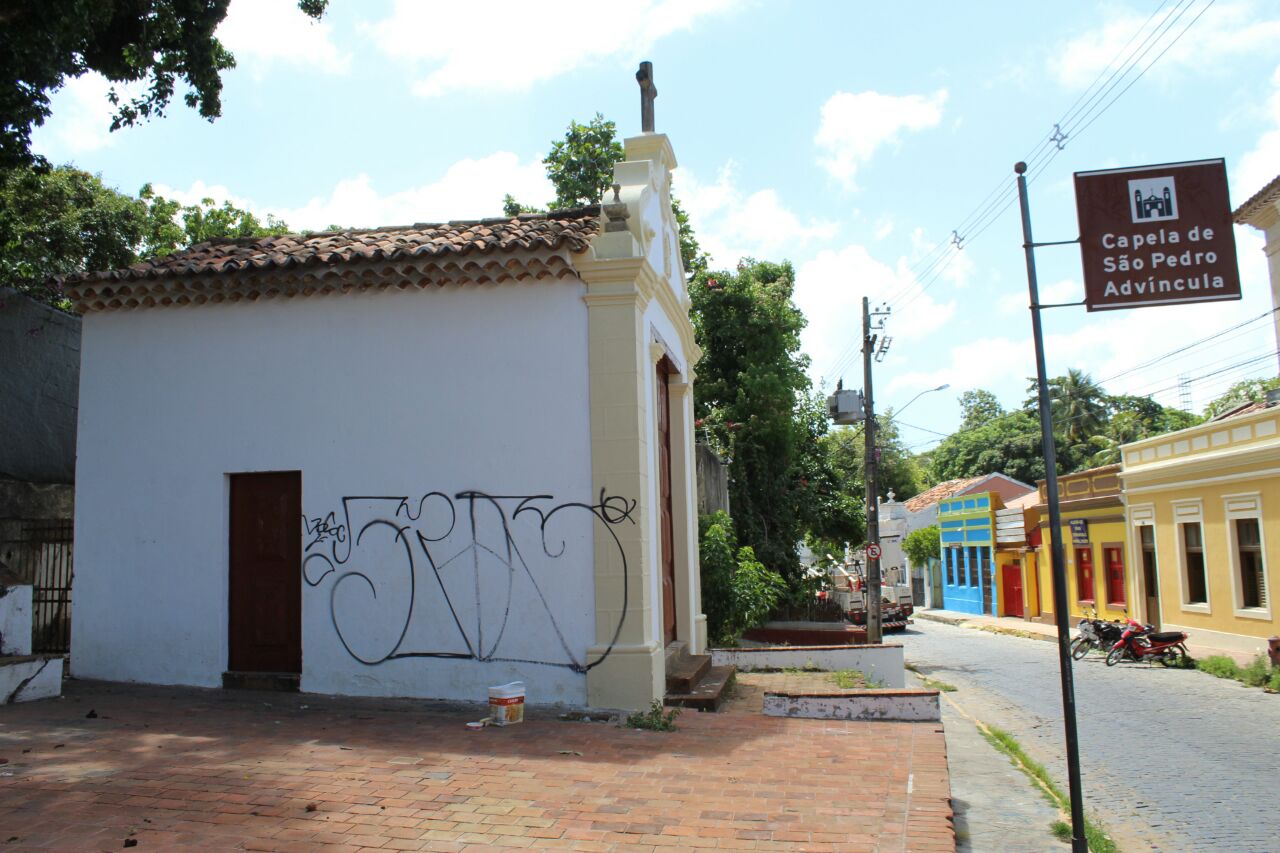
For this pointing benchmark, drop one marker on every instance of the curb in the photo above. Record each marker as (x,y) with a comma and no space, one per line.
(961,622)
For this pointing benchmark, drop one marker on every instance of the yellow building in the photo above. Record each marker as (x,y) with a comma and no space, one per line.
(1203,507)
(1094,542)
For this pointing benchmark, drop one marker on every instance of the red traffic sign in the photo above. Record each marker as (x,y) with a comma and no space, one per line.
(1156,235)
(873,551)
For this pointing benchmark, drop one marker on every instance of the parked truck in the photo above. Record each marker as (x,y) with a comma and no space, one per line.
(849,585)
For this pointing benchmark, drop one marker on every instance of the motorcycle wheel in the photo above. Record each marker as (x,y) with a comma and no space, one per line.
(1115,656)
(1079,648)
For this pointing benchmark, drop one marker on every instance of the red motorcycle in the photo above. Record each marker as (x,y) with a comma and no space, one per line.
(1142,642)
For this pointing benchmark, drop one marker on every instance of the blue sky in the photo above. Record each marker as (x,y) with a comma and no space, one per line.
(849,138)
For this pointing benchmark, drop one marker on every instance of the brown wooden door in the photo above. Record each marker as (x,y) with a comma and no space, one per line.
(664,505)
(265,631)
(986,584)
(1150,576)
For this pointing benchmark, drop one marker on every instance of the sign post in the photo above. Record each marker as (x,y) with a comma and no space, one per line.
(1156,235)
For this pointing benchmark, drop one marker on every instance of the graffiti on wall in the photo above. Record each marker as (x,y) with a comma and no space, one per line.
(471,576)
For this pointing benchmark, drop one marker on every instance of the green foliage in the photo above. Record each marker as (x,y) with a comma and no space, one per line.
(1245,391)
(899,472)
(750,399)
(43,43)
(978,407)
(923,545)
(1009,445)
(654,719)
(853,679)
(54,222)
(1219,666)
(738,592)
(580,166)
(1257,672)
(59,221)
(513,208)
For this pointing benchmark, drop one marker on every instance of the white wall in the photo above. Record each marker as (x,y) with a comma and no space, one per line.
(392,394)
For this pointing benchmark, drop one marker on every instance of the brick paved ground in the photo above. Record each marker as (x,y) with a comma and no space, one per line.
(185,769)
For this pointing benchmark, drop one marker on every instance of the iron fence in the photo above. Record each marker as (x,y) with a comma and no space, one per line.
(42,557)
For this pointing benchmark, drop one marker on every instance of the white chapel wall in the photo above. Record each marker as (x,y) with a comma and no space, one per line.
(459,415)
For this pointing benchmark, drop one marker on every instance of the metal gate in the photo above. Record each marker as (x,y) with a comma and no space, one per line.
(42,557)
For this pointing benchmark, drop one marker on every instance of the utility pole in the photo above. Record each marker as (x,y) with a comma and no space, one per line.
(1057,557)
(871,455)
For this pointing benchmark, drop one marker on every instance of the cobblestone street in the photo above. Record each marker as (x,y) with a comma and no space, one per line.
(1172,760)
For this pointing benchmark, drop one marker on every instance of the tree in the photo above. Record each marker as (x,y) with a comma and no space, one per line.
(1008,445)
(54,222)
(899,470)
(60,221)
(1078,405)
(1245,391)
(978,407)
(748,400)
(580,167)
(43,43)
(923,545)
(738,592)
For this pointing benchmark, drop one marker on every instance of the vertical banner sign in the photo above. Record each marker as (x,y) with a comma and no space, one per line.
(1156,235)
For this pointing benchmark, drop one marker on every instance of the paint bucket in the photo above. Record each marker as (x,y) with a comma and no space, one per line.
(506,703)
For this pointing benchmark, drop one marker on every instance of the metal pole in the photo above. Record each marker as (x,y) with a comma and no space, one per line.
(874,623)
(1056,557)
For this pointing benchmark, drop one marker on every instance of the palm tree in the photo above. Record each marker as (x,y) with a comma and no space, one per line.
(1078,405)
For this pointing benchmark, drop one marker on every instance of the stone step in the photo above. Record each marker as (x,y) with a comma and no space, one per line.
(281,682)
(684,672)
(707,693)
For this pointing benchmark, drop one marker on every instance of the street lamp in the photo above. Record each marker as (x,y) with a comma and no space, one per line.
(944,386)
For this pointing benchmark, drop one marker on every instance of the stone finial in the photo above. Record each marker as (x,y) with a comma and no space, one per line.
(616,211)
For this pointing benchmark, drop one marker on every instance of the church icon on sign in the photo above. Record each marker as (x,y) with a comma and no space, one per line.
(1153,199)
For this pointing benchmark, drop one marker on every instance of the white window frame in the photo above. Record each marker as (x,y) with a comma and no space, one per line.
(1235,507)
(1191,512)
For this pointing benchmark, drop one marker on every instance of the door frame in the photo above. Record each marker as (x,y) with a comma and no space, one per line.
(668,577)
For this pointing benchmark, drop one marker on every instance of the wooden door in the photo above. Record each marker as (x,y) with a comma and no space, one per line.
(265,630)
(1150,576)
(665,528)
(1011,583)
(986,581)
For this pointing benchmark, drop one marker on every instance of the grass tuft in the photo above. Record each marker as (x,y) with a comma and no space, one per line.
(654,720)
(850,679)
(1098,841)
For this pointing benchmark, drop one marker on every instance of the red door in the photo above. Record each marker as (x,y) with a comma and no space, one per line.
(664,505)
(265,630)
(1011,583)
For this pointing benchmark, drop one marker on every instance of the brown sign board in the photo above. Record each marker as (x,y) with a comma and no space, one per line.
(1156,235)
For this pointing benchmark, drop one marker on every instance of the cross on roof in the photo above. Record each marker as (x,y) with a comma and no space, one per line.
(647,93)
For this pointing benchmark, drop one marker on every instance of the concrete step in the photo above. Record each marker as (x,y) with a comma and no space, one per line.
(684,672)
(707,693)
(281,682)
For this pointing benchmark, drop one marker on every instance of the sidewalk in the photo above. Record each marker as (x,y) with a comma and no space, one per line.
(1042,631)
(111,766)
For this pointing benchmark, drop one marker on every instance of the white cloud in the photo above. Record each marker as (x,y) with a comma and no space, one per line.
(829,290)
(732,224)
(469,189)
(461,55)
(263,32)
(1259,167)
(853,126)
(1067,290)
(1225,31)
(81,117)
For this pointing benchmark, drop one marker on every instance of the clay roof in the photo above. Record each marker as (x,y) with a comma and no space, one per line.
(940,492)
(299,264)
(1262,198)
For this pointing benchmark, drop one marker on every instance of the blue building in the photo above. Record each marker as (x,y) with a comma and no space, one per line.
(967,530)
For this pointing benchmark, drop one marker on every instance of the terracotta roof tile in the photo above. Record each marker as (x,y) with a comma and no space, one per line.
(572,229)
(939,492)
